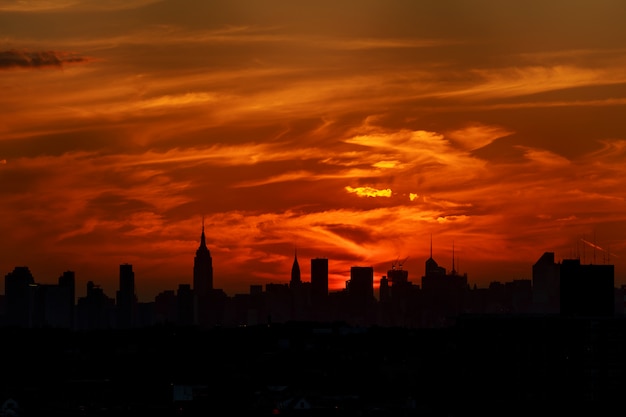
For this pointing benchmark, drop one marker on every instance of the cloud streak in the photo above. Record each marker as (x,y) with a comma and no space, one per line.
(13,58)
(70,5)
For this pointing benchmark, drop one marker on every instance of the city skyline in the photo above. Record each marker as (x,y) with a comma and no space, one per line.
(352,132)
(201,279)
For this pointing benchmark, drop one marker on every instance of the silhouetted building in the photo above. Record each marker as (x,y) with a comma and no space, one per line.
(166,307)
(278,298)
(126,299)
(319,289)
(186,305)
(586,290)
(361,284)
(67,280)
(520,292)
(432,270)
(55,303)
(300,294)
(384,295)
(18,290)
(360,295)
(96,310)
(144,315)
(404,301)
(296,279)
(444,295)
(206,308)
(202,268)
(545,285)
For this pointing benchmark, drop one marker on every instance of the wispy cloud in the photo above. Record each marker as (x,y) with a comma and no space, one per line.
(37,59)
(65,5)
(522,81)
(476,136)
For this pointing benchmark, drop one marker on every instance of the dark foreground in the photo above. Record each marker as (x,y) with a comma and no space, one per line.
(498,365)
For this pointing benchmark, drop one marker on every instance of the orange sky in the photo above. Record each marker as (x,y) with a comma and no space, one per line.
(351,130)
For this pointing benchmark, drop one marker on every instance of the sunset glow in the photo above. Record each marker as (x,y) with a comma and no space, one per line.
(351,130)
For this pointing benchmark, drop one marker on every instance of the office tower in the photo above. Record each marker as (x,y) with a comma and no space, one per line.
(432,271)
(186,305)
(398,276)
(202,268)
(319,281)
(545,285)
(57,302)
(166,307)
(399,280)
(67,280)
(361,285)
(95,310)
(586,290)
(126,297)
(383,290)
(18,290)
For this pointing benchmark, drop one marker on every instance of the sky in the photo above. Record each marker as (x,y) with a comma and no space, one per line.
(355,130)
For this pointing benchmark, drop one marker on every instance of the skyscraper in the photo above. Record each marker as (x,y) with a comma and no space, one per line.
(361,285)
(546,291)
(202,268)
(295,273)
(18,290)
(125,302)
(586,290)
(319,281)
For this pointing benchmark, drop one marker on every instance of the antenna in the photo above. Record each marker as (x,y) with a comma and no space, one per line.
(594,246)
(453,270)
(394,263)
(584,252)
(431,246)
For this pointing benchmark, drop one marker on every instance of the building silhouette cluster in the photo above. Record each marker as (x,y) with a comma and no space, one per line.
(434,346)
(566,288)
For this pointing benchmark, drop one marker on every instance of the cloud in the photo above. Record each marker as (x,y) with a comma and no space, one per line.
(477,135)
(545,158)
(527,80)
(67,5)
(14,58)
(369,192)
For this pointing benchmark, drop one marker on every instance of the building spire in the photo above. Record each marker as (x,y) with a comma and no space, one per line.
(295,269)
(202,236)
(453,270)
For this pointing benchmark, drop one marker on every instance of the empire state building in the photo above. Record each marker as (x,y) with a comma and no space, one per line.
(202,268)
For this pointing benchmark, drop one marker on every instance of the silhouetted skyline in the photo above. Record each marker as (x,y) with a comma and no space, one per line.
(437,298)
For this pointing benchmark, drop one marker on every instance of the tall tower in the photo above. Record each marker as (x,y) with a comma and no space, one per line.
(295,272)
(319,281)
(126,297)
(202,268)
(67,285)
(361,286)
(586,290)
(18,292)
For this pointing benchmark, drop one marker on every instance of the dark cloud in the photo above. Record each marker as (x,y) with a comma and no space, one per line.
(37,59)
